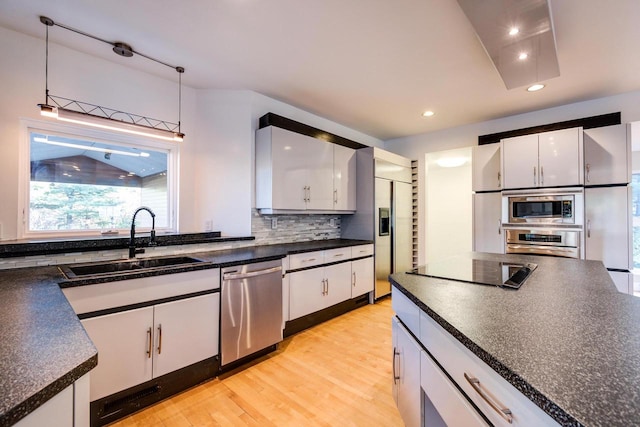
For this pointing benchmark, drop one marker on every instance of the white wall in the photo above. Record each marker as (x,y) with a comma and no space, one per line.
(216,158)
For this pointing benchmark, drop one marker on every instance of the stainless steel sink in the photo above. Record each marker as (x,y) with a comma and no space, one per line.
(78,271)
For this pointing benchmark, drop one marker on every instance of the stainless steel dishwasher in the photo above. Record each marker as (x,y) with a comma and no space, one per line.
(251,309)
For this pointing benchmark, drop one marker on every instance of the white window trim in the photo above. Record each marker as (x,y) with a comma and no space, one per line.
(75,131)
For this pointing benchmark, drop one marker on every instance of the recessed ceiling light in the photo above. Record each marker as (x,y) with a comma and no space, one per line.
(513,31)
(428,114)
(523,56)
(535,87)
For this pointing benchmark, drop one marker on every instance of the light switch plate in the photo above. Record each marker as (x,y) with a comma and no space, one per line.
(274,222)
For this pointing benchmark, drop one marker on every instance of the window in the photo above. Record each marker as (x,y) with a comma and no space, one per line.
(87,182)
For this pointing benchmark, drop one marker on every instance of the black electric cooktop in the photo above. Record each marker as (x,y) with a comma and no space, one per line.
(479,271)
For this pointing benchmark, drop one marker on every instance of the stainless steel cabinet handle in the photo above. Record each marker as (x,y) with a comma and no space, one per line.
(353,282)
(327,287)
(541,175)
(337,255)
(499,227)
(499,176)
(308,193)
(324,287)
(230,276)
(304,194)
(490,399)
(396,377)
(159,338)
(335,196)
(588,167)
(149,343)
(535,181)
(588,228)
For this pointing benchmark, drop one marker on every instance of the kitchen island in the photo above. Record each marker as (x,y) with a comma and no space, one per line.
(567,340)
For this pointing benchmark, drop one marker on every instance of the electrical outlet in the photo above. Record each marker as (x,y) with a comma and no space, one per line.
(274,222)
(208,225)
(332,222)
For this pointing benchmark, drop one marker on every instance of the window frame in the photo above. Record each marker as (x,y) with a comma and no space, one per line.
(78,131)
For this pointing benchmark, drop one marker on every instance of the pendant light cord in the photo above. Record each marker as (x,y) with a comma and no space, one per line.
(46,69)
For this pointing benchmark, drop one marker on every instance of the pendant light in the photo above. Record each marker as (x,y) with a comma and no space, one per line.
(79,112)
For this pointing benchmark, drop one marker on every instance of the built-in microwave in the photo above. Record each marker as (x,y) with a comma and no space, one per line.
(545,208)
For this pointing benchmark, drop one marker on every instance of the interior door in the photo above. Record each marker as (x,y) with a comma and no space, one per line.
(382,236)
(402,230)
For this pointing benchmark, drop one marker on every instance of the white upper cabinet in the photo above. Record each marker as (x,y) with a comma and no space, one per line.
(520,157)
(486,168)
(607,155)
(295,172)
(344,178)
(549,159)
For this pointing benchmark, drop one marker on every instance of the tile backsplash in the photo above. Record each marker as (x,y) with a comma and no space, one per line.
(293,228)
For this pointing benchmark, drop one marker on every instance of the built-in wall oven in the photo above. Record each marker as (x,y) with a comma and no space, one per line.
(555,242)
(544,222)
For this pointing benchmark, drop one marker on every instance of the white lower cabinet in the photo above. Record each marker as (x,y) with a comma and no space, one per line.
(448,385)
(68,408)
(443,404)
(479,382)
(406,374)
(623,281)
(318,288)
(361,276)
(135,346)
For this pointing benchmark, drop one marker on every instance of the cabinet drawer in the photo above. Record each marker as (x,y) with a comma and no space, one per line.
(335,255)
(307,259)
(406,310)
(457,360)
(449,404)
(362,250)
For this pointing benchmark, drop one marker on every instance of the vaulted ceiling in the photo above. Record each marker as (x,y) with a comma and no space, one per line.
(372,65)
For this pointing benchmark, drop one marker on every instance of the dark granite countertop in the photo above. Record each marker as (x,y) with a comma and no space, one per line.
(567,339)
(28,247)
(43,346)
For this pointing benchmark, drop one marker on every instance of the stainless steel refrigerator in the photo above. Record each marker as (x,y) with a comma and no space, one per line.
(384,213)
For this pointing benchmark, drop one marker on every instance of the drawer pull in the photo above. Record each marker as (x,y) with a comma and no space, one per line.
(308,260)
(503,411)
(338,255)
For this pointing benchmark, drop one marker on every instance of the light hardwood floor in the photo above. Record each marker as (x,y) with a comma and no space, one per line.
(334,374)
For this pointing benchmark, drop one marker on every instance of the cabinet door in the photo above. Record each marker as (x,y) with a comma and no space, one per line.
(186,332)
(125,348)
(306,292)
(291,162)
(320,174)
(520,161)
(406,375)
(559,158)
(344,178)
(486,168)
(487,224)
(362,276)
(338,279)
(607,155)
(608,229)
(55,412)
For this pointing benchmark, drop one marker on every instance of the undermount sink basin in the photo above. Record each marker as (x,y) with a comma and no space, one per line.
(120,267)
